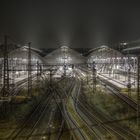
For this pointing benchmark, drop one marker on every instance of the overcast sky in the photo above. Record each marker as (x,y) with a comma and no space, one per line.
(50,24)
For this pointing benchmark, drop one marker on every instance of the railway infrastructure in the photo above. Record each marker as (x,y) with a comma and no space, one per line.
(57,106)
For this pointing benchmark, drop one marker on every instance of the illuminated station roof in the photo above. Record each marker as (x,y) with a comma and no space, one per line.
(64,55)
(104,53)
(22,54)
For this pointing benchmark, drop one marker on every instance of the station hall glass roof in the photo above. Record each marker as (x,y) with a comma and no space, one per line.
(22,54)
(64,55)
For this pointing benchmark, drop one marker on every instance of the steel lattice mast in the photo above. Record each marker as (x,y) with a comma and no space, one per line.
(5,68)
(29,71)
(138,97)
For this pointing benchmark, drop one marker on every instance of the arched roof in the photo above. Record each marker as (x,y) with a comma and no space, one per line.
(104,52)
(22,53)
(64,54)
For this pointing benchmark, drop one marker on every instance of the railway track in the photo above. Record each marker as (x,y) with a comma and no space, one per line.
(27,128)
(116,91)
(99,118)
(69,95)
(112,127)
(73,125)
(82,110)
(60,130)
(109,128)
(74,128)
(103,130)
(44,128)
(20,85)
(26,134)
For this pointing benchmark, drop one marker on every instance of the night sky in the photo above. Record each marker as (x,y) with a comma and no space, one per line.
(50,24)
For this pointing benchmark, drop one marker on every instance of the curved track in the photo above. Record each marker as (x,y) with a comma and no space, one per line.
(116,91)
(74,128)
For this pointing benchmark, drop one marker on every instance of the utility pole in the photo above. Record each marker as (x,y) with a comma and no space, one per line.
(51,74)
(5,89)
(0,74)
(138,97)
(94,76)
(129,86)
(64,67)
(129,77)
(65,57)
(87,78)
(1,68)
(29,71)
(13,76)
(38,71)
